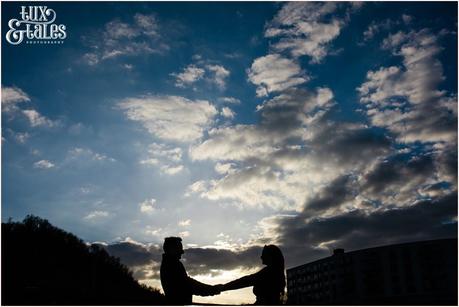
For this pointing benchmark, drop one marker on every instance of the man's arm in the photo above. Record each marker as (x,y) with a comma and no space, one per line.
(199,288)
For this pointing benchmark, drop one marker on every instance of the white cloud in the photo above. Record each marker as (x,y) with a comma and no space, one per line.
(87,154)
(190,75)
(280,161)
(148,206)
(283,117)
(116,29)
(274,73)
(218,75)
(171,170)
(303,30)
(184,234)
(223,168)
(147,23)
(376,27)
(196,187)
(43,164)
(128,66)
(169,158)
(230,100)
(91,58)
(38,120)
(406,99)
(11,96)
(233,143)
(172,118)
(21,137)
(150,161)
(155,232)
(96,215)
(119,38)
(227,112)
(407,19)
(185,223)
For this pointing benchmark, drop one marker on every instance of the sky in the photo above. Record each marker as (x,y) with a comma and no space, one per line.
(309,125)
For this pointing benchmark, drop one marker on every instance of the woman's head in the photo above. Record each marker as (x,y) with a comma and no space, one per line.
(272,256)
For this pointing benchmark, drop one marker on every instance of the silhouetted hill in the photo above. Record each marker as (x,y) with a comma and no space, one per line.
(44,265)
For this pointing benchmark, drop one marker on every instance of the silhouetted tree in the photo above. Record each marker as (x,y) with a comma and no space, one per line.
(44,265)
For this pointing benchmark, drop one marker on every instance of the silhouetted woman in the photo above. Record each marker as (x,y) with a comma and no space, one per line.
(269,283)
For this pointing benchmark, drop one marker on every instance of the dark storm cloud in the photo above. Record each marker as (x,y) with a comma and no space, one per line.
(447,164)
(357,229)
(144,261)
(347,144)
(337,192)
(399,170)
(203,260)
(341,143)
(289,110)
(132,254)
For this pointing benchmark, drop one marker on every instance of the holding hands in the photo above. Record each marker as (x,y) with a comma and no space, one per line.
(215,290)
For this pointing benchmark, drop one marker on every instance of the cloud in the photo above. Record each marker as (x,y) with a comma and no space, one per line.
(335,193)
(147,23)
(184,234)
(230,100)
(446,163)
(43,164)
(190,75)
(215,74)
(281,160)
(237,142)
(171,118)
(304,239)
(148,206)
(21,137)
(119,38)
(197,261)
(292,110)
(376,27)
(128,66)
(172,170)
(274,73)
(399,178)
(38,120)
(185,223)
(203,260)
(12,96)
(223,168)
(96,215)
(167,157)
(406,100)
(407,19)
(218,75)
(133,254)
(155,232)
(306,28)
(227,112)
(87,154)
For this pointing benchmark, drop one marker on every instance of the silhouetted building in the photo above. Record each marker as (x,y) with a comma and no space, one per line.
(421,273)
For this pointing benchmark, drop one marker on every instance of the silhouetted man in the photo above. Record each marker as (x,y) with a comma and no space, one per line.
(177,285)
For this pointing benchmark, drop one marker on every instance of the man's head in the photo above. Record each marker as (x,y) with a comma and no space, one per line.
(173,246)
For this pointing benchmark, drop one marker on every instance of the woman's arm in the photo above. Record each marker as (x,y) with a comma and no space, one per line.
(246,281)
